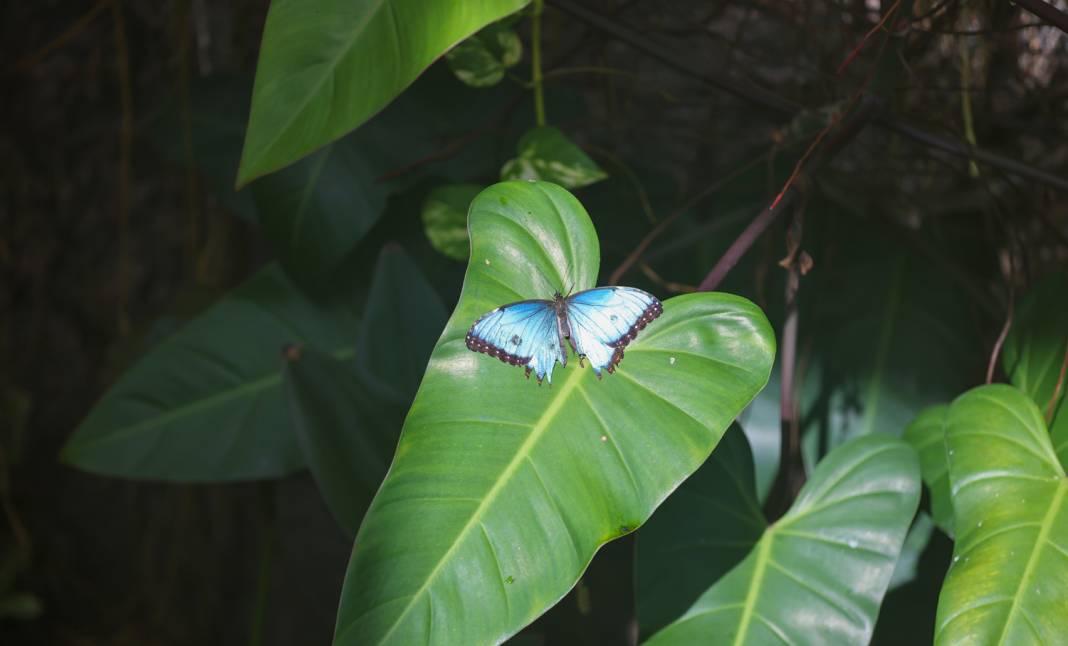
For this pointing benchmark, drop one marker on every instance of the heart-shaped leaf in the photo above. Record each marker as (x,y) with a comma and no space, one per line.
(481,60)
(445,218)
(926,435)
(500,491)
(818,575)
(1036,350)
(547,154)
(327,66)
(700,532)
(206,404)
(1010,500)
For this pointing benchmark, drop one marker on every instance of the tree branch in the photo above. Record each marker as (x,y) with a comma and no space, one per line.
(787,108)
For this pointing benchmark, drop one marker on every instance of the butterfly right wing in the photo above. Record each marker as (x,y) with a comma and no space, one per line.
(522,334)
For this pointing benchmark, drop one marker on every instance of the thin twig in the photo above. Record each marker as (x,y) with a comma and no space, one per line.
(785,107)
(535,62)
(996,352)
(1051,407)
(1045,11)
(30,60)
(664,224)
(864,41)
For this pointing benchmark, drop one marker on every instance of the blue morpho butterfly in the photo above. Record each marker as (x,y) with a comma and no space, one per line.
(598,323)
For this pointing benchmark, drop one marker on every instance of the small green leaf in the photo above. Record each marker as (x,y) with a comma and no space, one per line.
(445,218)
(495,477)
(546,154)
(700,532)
(926,435)
(1036,349)
(316,211)
(326,67)
(1010,499)
(818,575)
(206,403)
(481,60)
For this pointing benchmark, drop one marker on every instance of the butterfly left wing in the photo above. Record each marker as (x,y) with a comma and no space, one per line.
(603,320)
(522,334)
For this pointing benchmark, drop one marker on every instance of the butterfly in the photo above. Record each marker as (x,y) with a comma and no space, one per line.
(598,323)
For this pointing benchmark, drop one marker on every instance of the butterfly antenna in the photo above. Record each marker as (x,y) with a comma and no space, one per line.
(550,288)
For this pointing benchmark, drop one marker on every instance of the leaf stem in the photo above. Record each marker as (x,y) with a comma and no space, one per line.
(535,61)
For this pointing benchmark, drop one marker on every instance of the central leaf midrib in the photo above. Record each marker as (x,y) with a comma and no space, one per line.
(753,593)
(1040,542)
(521,454)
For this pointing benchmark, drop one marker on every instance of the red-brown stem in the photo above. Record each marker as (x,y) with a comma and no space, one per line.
(864,41)
(1000,342)
(1052,405)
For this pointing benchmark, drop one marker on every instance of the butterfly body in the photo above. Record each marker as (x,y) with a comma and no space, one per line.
(598,324)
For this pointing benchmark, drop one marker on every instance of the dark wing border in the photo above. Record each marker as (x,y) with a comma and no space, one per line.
(476,343)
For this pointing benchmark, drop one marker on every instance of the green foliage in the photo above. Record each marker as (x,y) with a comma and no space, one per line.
(445,218)
(830,557)
(544,153)
(1010,497)
(521,484)
(481,60)
(206,403)
(477,499)
(1036,352)
(326,70)
(700,532)
(926,434)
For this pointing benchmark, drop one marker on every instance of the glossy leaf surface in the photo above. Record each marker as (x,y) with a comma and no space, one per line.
(1010,497)
(818,575)
(926,435)
(500,491)
(547,154)
(1035,352)
(705,528)
(445,218)
(206,403)
(326,67)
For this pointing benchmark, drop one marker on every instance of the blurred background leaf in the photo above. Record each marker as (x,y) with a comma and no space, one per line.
(545,153)
(1036,354)
(701,531)
(445,218)
(205,404)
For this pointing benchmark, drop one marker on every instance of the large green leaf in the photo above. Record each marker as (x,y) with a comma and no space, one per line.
(315,211)
(926,435)
(1010,497)
(818,575)
(327,66)
(206,404)
(500,491)
(1035,351)
(348,414)
(700,532)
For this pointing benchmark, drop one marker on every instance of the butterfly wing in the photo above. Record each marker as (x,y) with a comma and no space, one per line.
(522,334)
(603,320)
